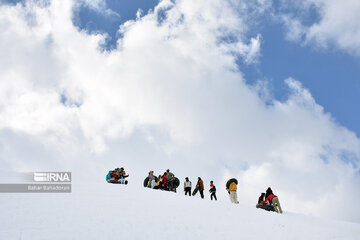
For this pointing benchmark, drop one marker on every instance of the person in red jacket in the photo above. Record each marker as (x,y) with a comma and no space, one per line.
(165,181)
(274,200)
(212,191)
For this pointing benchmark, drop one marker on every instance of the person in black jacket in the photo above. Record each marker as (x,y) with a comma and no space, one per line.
(268,192)
(212,190)
(261,198)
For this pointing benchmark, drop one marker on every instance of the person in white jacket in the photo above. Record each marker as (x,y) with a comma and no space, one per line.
(153,183)
(187,186)
(151,177)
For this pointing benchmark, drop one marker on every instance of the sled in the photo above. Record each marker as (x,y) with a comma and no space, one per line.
(118,181)
(231,180)
(266,207)
(195,191)
(146,180)
(176,182)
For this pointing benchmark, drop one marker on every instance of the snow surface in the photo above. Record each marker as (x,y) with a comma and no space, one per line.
(109,211)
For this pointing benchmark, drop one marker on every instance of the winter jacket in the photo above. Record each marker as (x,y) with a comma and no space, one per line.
(268,192)
(159,182)
(269,198)
(170,175)
(119,172)
(261,198)
(212,188)
(201,185)
(187,184)
(232,187)
(165,180)
(153,183)
(151,176)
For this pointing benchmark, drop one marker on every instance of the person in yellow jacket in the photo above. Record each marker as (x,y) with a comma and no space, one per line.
(232,192)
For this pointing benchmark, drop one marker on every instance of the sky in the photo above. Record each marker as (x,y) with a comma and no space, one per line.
(264,91)
(280,58)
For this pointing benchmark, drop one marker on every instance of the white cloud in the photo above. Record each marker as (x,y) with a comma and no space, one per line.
(170,95)
(99,6)
(337,24)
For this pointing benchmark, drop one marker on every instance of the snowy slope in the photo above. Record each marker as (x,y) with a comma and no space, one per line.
(106,211)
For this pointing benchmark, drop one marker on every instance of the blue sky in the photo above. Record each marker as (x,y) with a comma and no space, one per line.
(332,76)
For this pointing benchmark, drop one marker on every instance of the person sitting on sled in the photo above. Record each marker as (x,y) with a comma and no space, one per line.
(267,206)
(159,183)
(261,198)
(110,176)
(153,183)
(274,200)
(268,192)
(121,174)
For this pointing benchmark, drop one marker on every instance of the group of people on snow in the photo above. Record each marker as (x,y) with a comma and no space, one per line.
(267,201)
(163,182)
(116,175)
(199,188)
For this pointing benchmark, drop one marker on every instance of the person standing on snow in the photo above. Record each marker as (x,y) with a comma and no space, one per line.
(187,186)
(274,200)
(170,177)
(151,178)
(200,185)
(212,191)
(165,181)
(232,191)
